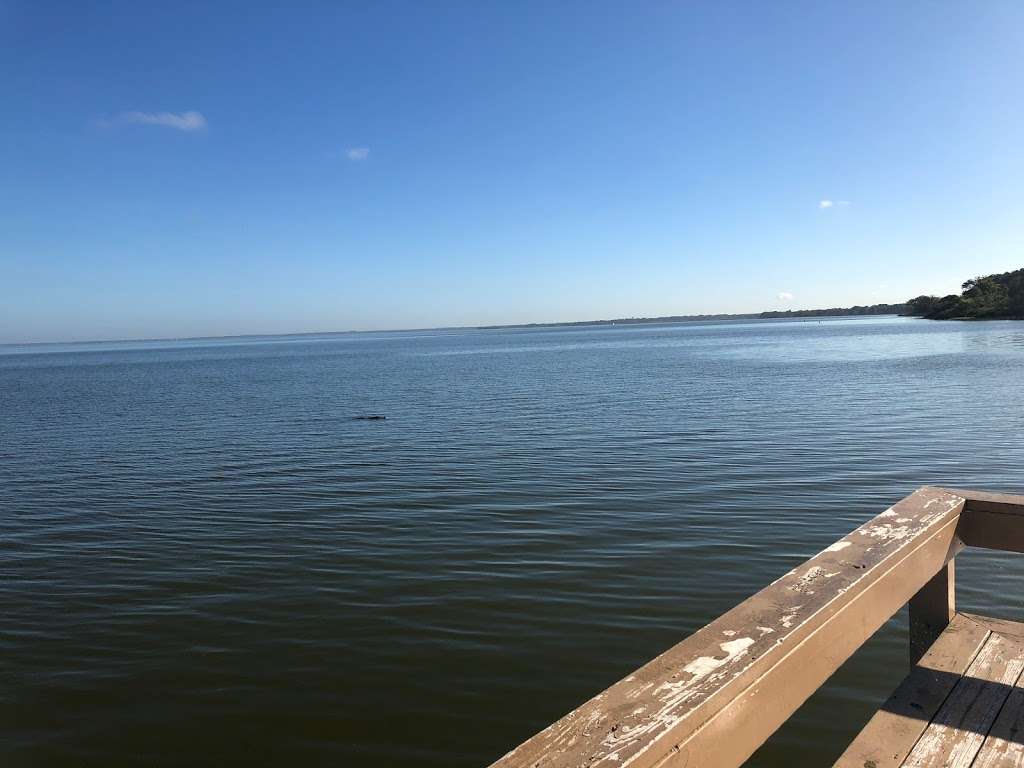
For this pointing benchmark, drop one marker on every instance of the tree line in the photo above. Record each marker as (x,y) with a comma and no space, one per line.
(984,298)
(873,309)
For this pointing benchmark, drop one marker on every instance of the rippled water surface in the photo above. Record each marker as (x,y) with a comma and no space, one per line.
(208,561)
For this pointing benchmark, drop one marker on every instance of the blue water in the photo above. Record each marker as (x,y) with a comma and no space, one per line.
(208,561)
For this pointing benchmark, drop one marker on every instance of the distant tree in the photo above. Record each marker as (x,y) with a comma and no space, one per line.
(922,305)
(986,297)
(1015,294)
(947,308)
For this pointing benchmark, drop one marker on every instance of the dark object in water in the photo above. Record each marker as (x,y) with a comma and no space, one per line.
(370,418)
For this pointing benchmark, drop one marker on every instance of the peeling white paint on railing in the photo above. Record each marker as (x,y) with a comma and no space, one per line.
(664,702)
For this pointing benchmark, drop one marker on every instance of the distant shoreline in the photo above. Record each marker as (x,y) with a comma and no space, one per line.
(875,310)
(858,311)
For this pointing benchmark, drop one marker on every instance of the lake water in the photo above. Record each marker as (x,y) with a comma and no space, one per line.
(207,561)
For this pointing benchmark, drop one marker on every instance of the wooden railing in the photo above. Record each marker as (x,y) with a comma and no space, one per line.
(714,698)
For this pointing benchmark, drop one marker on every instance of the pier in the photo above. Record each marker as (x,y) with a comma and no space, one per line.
(713,699)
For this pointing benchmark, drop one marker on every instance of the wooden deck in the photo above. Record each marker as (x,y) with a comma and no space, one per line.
(961,705)
(713,699)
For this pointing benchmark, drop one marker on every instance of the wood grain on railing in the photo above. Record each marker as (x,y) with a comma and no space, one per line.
(715,697)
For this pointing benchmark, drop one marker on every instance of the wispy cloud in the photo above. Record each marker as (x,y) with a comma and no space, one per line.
(785,296)
(182,121)
(357,154)
(826,203)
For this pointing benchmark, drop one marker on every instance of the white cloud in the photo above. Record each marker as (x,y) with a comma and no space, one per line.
(826,203)
(785,296)
(357,154)
(182,121)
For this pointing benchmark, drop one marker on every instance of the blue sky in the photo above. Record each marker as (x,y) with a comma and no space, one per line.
(181,169)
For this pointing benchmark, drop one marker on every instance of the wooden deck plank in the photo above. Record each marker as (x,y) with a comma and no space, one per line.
(892,732)
(713,699)
(1006,627)
(955,736)
(1003,747)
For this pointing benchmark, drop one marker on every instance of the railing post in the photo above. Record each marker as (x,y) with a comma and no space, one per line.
(931,609)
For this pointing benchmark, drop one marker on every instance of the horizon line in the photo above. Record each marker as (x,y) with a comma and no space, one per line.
(625,320)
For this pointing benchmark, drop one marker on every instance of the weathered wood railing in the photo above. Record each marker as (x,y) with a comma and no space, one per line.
(715,697)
